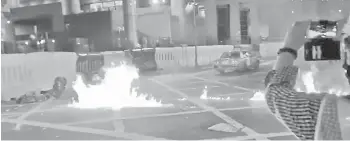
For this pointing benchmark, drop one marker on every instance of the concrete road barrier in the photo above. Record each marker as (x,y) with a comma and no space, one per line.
(33,72)
(22,73)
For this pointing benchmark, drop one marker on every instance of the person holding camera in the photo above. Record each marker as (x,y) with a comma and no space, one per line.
(310,116)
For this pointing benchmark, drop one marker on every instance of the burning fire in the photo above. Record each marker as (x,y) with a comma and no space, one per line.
(114,92)
(258,96)
(316,81)
(204,95)
(322,79)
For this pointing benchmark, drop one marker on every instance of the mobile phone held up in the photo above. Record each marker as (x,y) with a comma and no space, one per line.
(321,44)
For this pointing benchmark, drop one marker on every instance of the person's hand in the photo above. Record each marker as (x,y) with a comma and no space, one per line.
(327,75)
(295,37)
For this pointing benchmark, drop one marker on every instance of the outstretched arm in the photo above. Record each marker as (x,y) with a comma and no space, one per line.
(297,110)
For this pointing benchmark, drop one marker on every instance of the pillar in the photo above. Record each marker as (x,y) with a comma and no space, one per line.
(177,9)
(211,21)
(235,25)
(70,7)
(254,23)
(129,15)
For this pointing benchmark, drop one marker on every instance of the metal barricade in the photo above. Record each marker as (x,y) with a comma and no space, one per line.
(144,59)
(89,65)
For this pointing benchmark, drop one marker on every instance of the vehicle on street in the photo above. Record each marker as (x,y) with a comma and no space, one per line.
(239,59)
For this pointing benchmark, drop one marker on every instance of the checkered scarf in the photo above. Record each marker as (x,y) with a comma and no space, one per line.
(328,127)
(308,116)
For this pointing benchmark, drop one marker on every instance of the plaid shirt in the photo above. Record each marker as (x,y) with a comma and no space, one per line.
(300,111)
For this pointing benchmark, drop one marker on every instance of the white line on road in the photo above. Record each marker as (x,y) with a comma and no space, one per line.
(216,112)
(222,83)
(31,111)
(82,130)
(269,135)
(118,125)
(230,94)
(157,115)
(195,82)
(17,105)
(235,78)
(194,88)
(38,111)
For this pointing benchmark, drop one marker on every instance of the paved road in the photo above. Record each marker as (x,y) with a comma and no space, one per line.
(188,119)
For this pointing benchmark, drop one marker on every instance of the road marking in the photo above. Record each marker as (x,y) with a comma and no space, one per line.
(17,105)
(38,111)
(269,135)
(31,111)
(158,115)
(194,88)
(132,136)
(200,73)
(216,112)
(244,76)
(222,83)
(118,125)
(195,82)
(27,104)
(230,94)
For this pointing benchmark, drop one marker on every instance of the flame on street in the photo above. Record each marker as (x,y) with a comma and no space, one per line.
(115,91)
(205,96)
(258,96)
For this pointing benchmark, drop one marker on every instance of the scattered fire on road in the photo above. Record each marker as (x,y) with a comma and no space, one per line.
(309,85)
(258,96)
(115,91)
(204,95)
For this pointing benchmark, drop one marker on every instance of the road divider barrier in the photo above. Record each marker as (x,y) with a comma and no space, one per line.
(23,73)
(89,65)
(144,59)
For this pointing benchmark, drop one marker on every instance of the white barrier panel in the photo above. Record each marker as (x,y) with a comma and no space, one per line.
(16,76)
(185,56)
(42,66)
(170,58)
(65,66)
(47,66)
(23,73)
(167,57)
(207,54)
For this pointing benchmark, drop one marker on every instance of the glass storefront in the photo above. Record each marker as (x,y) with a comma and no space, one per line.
(112,5)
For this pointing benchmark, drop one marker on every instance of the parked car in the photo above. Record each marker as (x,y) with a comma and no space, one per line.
(239,59)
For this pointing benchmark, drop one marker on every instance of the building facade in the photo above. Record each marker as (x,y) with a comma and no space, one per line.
(213,22)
